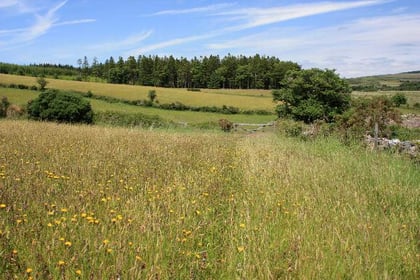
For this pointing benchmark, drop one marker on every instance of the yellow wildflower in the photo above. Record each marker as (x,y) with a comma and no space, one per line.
(2,206)
(28,270)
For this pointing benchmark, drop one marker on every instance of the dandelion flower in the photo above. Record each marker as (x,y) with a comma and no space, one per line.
(28,270)
(61,263)
(67,243)
(78,272)
(106,241)
(2,206)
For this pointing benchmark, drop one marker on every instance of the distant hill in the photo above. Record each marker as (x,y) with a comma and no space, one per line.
(384,81)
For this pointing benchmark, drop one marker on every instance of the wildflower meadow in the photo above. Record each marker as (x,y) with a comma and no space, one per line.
(86,202)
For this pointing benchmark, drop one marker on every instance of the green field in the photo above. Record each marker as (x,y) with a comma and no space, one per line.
(413,97)
(244,99)
(388,80)
(21,97)
(89,202)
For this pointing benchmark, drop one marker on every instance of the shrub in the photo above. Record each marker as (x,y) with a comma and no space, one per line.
(15,111)
(152,95)
(360,120)
(399,99)
(4,105)
(309,95)
(42,83)
(225,125)
(61,107)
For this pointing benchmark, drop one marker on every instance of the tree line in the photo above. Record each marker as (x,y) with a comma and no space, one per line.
(232,72)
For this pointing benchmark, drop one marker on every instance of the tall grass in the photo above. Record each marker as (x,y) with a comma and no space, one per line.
(98,203)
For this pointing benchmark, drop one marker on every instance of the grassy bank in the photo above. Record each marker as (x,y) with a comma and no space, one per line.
(98,203)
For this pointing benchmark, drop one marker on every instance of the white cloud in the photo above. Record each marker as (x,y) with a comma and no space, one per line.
(42,24)
(128,42)
(169,43)
(254,17)
(8,3)
(366,46)
(194,10)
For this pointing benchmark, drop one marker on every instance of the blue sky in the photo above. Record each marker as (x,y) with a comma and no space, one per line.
(355,37)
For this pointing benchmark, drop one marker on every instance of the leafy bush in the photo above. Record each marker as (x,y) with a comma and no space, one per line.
(399,99)
(4,104)
(360,120)
(290,128)
(61,107)
(314,94)
(152,95)
(42,82)
(225,125)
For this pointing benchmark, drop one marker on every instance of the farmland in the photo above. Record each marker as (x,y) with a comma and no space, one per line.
(245,99)
(101,203)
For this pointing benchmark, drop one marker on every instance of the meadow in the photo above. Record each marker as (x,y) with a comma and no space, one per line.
(89,202)
(244,99)
(21,98)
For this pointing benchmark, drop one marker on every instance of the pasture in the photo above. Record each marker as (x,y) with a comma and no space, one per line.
(86,202)
(244,99)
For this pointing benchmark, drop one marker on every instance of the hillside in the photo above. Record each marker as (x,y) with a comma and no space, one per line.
(244,100)
(389,79)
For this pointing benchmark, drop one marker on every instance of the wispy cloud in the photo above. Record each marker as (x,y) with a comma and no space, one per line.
(169,43)
(8,3)
(254,17)
(42,24)
(127,43)
(204,9)
(376,45)
(248,18)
